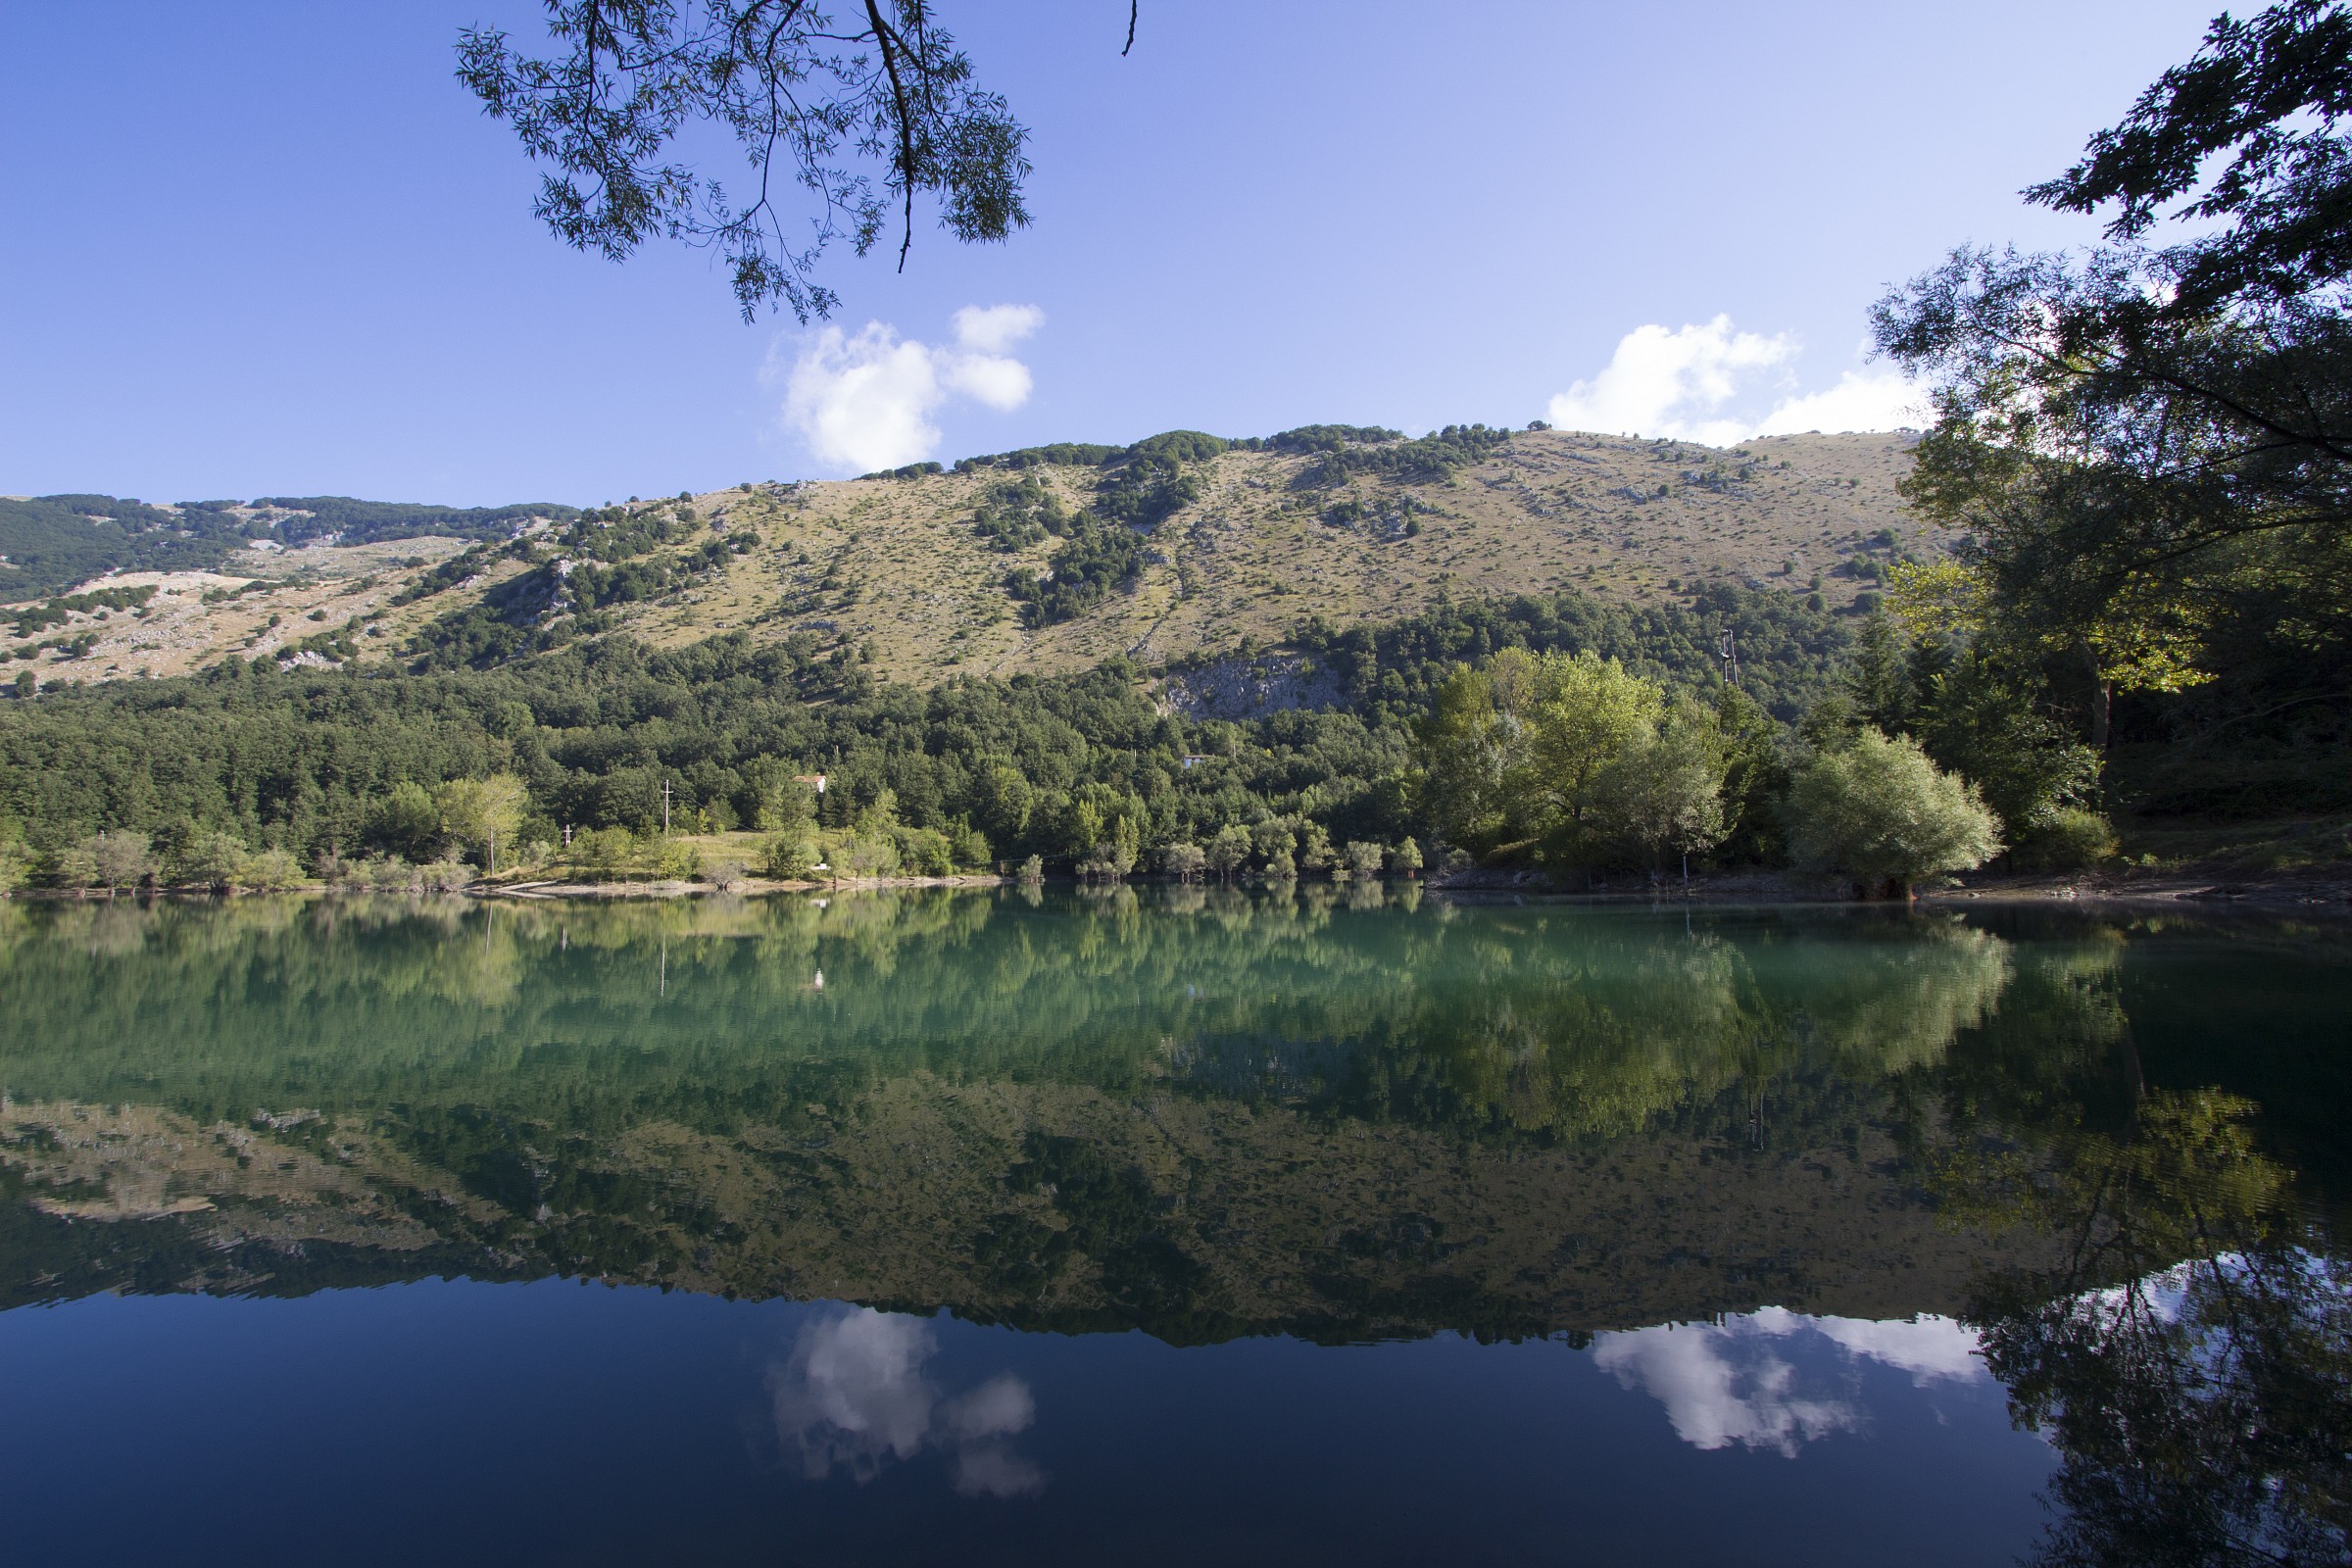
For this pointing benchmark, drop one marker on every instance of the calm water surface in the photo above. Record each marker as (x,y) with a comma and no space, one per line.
(1169,1229)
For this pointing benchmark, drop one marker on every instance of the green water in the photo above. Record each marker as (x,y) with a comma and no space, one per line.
(1215,1116)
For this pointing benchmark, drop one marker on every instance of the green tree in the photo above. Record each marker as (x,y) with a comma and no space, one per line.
(1315,853)
(1184,861)
(863,855)
(1981,718)
(1114,856)
(407,822)
(1510,751)
(1882,811)
(1879,681)
(1002,800)
(676,861)
(1755,778)
(2148,446)
(790,856)
(121,860)
(604,854)
(1663,791)
(968,846)
(1364,858)
(214,859)
(74,866)
(15,862)
(481,813)
(1229,851)
(1407,856)
(272,870)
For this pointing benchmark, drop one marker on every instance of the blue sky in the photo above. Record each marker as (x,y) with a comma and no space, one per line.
(258,248)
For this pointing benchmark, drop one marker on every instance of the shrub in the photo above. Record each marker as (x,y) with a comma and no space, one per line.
(1405,856)
(1364,859)
(728,874)
(444,875)
(74,866)
(862,854)
(1184,861)
(604,854)
(391,874)
(120,859)
(1879,810)
(273,871)
(676,861)
(928,852)
(790,856)
(1033,870)
(969,846)
(2068,838)
(214,860)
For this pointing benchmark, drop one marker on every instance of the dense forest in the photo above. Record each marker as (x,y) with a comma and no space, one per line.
(330,765)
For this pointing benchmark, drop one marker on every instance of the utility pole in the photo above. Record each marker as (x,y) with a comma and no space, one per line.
(1727,649)
(665,805)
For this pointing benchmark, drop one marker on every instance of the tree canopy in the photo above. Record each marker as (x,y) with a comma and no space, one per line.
(2149,445)
(863,110)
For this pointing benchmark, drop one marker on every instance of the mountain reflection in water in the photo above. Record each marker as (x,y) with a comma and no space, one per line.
(1758,1163)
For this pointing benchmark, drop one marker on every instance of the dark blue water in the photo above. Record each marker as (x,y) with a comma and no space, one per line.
(546,1422)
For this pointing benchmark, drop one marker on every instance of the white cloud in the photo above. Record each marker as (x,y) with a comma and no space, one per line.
(1671,384)
(1862,400)
(1732,1383)
(1702,383)
(866,402)
(853,1394)
(994,329)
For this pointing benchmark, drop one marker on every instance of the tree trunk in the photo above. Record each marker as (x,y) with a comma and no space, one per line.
(2102,698)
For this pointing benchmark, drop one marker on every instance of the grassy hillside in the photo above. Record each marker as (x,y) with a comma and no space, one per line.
(909,573)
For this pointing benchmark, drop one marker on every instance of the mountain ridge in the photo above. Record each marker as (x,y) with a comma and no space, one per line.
(1179,550)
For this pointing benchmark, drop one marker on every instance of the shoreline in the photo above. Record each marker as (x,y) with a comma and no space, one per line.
(2316,889)
(2311,889)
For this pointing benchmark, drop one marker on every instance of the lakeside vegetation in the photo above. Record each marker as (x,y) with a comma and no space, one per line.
(382,777)
(1554,733)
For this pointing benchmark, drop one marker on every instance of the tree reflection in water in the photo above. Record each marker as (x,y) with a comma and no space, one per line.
(2188,1351)
(1795,1136)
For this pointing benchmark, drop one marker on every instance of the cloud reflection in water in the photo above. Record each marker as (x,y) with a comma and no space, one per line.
(854,1393)
(1734,1382)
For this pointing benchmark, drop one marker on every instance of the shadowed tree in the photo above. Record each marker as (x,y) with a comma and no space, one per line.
(843,114)
(2151,445)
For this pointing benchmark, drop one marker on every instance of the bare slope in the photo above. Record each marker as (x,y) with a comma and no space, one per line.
(896,566)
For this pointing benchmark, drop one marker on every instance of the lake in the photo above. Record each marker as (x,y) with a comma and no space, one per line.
(1171,1226)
